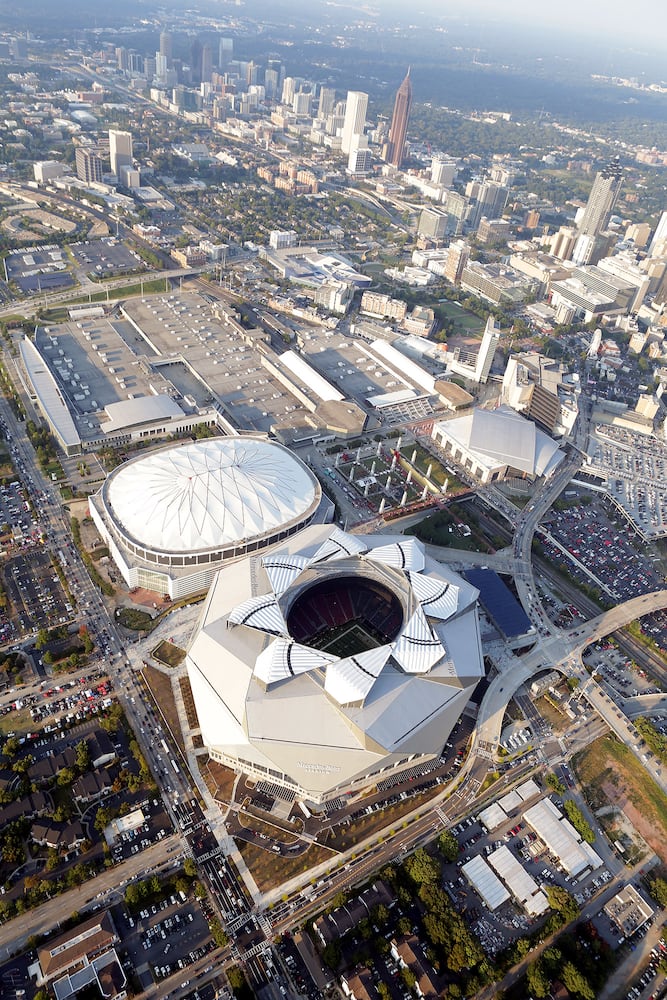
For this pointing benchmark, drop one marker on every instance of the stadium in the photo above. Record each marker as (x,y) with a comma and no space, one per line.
(173,517)
(333,661)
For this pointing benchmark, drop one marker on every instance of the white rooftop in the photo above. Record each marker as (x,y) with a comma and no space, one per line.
(523,886)
(504,437)
(48,393)
(209,494)
(485,881)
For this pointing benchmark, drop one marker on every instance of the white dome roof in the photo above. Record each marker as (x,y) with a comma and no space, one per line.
(209,494)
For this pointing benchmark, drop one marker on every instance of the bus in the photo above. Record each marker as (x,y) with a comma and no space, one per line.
(164,746)
(175,766)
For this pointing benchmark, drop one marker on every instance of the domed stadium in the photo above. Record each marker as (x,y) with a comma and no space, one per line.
(172,517)
(333,661)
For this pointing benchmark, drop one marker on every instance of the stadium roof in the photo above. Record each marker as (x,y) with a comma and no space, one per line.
(485,881)
(504,437)
(209,494)
(322,713)
(501,604)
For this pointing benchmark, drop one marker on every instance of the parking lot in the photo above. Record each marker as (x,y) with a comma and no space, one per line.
(166,936)
(106,257)
(606,552)
(633,466)
(38,269)
(35,597)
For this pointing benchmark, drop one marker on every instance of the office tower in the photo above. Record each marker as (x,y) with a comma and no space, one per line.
(360,160)
(659,240)
(196,50)
(288,92)
(271,83)
(225,52)
(122,58)
(487,350)
(166,50)
(490,202)
(327,101)
(120,150)
(355,119)
(206,63)
(457,258)
(443,171)
(601,201)
(301,103)
(88,166)
(433,223)
(252,74)
(394,151)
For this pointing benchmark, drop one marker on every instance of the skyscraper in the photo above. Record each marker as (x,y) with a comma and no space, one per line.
(88,165)
(120,150)
(326,102)
(355,119)
(394,151)
(487,350)
(206,63)
(601,201)
(166,47)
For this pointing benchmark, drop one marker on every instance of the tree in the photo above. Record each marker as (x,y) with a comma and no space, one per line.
(82,751)
(575,981)
(189,868)
(448,846)
(332,955)
(422,867)
(553,781)
(536,979)
(658,889)
(217,933)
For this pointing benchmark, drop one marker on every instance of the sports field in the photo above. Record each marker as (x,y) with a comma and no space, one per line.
(346,640)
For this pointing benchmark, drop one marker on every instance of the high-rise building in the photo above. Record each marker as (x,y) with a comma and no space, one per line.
(355,119)
(120,150)
(288,91)
(457,258)
(206,63)
(327,101)
(360,160)
(443,170)
(88,166)
(394,151)
(271,77)
(601,201)
(433,223)
(301,103)
(487,350)
(196,51)
(166,49)
(659,240)
(225,52)
(122,58)
(491,199)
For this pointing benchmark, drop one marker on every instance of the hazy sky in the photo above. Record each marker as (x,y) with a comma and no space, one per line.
(622,20)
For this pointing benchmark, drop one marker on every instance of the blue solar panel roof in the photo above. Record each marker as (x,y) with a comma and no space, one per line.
(499,601)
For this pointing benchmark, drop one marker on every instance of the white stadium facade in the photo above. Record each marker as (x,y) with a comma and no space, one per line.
(171,518)
(333,661)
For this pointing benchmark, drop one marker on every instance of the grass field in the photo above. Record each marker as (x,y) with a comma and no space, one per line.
(611,774)
(464,321)
(169,654)
(345,640)
(269,871)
